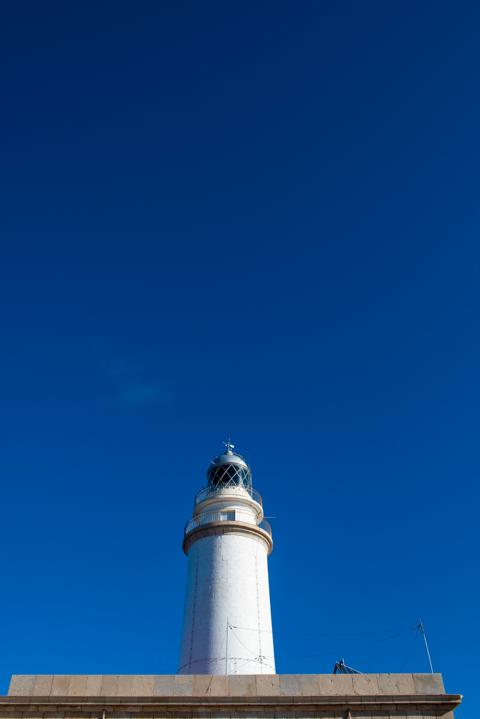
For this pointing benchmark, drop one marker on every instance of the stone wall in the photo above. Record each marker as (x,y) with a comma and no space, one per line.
(198,685)
(297,696)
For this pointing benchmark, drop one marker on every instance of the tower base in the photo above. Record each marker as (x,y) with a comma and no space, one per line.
(290,696)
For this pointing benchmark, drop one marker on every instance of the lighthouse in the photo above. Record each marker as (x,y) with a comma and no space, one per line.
(227,626)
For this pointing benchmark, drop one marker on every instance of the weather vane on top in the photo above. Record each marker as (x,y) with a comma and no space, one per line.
(228,445)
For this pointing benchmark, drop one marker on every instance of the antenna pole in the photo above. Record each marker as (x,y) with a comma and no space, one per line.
(421,629)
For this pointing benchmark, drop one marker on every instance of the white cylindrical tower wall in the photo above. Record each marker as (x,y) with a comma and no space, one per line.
(227,622)
(227,625)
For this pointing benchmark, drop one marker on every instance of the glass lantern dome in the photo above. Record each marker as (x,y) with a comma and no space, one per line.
(229,470)
(228,473)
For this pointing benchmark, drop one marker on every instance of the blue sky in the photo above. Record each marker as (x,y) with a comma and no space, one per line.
(256,220)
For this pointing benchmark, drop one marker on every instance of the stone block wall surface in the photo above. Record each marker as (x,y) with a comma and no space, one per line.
(198,685)
(284,696)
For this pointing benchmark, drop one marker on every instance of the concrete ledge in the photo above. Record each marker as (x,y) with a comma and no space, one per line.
(225,527)
(246,686)
(437,705)
(200,696)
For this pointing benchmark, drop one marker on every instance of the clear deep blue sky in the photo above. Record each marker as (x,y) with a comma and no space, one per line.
(256,219)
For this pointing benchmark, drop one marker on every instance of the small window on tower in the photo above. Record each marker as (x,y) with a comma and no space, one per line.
(228,516)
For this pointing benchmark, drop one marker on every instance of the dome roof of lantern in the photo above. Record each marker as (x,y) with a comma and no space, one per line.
(229,463)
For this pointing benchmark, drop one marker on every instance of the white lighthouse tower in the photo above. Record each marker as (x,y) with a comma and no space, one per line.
(227,626)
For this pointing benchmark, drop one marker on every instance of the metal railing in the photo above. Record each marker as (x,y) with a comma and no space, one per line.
(207,517)
(266,526)
(215,490)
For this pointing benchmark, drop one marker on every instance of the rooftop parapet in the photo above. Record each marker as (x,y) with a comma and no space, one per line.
(299,695)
